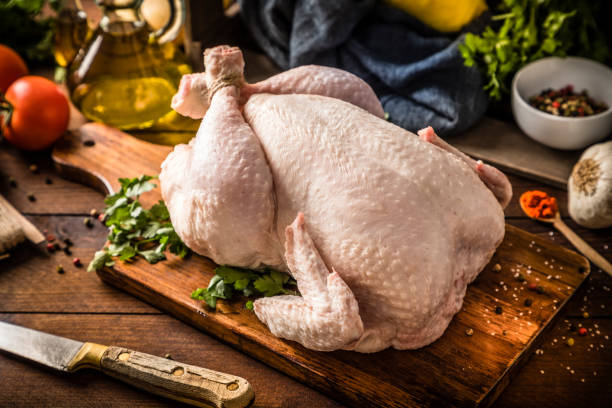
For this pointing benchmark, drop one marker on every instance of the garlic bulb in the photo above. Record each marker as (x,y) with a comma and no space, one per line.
(590,187)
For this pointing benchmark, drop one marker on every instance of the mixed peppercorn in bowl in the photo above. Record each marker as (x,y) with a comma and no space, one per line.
(563,102)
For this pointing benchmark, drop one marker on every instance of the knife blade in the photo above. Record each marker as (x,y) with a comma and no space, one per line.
(182,382)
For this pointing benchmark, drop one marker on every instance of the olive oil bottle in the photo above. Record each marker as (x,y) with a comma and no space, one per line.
(71,32)
(127,73)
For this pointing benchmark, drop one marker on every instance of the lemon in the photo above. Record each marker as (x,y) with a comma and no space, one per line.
(443,15)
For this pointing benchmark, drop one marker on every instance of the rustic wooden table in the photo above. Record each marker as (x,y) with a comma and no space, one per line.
(77,304)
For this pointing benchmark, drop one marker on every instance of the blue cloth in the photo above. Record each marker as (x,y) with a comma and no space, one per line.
(417,73)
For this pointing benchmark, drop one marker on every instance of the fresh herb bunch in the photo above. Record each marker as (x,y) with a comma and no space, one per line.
(24,28)
(529,30)
(231,280)
(134,230)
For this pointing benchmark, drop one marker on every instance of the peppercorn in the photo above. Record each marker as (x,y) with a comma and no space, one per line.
(50,247)
(48,181)
(570,342)
(56,246)
(93,212)
(89,143)
(498,310)
(533,286)
(34,168)
(528,302)
(68,242)
(168,356)
(540,289)
(60,269)
(585,315)
(582,331)
(76,262)
(565,102)
(12,182)
(520,277)
(497,267)
(50,238)
(31,197)
(101,217)
(67,250)
(87,222)
(469,332)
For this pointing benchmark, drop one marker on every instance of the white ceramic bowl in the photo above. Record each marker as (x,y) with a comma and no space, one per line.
(567,133)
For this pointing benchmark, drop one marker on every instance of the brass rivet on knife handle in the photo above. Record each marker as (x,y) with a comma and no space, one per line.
(182,382)
(89,356)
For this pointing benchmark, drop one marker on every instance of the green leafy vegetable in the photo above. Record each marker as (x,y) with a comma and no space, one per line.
(101,259)
(25,28)
(134,230)
(529,30)
(231,280)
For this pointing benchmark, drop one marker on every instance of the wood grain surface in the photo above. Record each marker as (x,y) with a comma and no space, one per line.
(476,367)
(77,304)
(507,147)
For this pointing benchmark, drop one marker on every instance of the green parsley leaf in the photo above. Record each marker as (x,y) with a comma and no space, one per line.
(229,280)
(152,256)
(269,286)
(249,305)
(160,211)
(100,259)
(134,230)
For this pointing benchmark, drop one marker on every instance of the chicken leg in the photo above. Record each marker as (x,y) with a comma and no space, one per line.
(219,188)
(494,179)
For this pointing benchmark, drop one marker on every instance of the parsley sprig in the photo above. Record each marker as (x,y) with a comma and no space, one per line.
(527,30)
(134,230)
(231,280)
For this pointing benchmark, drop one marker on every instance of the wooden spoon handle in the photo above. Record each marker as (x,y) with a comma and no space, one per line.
(582,246)
(182,382)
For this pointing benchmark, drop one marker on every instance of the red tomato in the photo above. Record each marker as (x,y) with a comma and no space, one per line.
(40,113)
(11,67)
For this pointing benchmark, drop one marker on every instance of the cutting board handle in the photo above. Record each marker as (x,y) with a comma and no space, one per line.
(182,382)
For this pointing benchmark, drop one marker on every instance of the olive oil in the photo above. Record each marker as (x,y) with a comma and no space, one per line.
(125,78)
(127,103)
(70,34)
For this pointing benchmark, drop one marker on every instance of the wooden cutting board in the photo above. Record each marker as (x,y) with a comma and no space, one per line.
(457,370)
(508,148)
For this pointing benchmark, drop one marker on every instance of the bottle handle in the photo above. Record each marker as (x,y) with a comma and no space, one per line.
(177,17)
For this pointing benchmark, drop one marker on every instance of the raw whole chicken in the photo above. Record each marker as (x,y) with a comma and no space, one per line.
(381,229)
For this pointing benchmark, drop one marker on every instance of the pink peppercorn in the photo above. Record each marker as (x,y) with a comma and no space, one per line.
(533,286)
(582,331)
(76,262)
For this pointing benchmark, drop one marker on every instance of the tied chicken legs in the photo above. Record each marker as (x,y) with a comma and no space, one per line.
(381,229)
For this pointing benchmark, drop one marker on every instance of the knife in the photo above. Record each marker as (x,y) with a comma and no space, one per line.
(182,382)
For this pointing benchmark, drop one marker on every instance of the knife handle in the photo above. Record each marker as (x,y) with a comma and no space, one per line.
(182,382)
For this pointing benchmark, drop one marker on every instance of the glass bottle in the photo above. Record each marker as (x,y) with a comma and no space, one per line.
(127,73)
